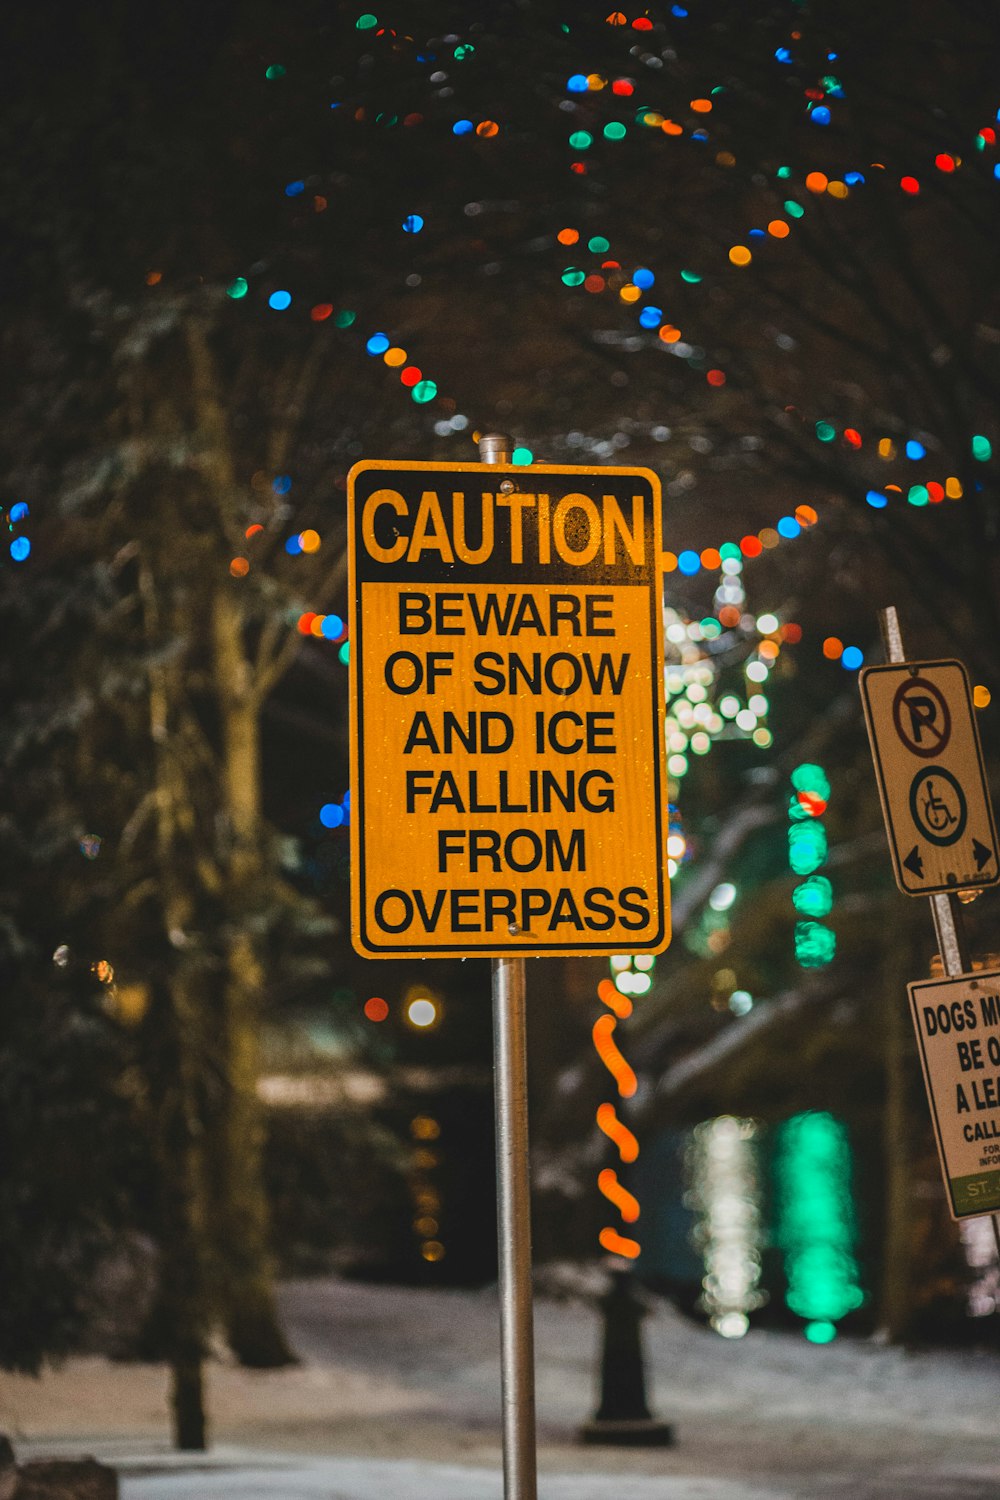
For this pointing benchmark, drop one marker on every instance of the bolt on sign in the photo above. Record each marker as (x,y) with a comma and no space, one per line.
(931,777)
(958,1033)
(509,792)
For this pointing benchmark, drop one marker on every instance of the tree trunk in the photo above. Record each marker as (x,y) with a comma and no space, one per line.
(245,1269)
(183,1293)
(177,1054)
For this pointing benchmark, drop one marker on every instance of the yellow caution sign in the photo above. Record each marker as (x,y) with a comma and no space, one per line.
(507,758)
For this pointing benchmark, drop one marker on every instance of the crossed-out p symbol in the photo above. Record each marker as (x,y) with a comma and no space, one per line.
(922,717)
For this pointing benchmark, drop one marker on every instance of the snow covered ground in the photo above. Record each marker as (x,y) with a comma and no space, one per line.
(397,1398)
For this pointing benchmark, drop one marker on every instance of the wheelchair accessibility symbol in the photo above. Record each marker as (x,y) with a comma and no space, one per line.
(938,805)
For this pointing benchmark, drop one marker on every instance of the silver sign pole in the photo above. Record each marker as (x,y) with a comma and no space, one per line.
(510,1103)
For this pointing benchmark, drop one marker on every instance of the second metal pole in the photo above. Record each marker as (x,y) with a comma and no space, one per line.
(510,1102)
(948,925)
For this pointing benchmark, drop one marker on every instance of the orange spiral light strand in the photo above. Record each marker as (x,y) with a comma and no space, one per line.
(607,1120)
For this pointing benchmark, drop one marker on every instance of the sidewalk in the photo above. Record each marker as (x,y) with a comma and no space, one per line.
(397,1398)
(397,1479)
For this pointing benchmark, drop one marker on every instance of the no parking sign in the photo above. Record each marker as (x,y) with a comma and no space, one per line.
(931,777)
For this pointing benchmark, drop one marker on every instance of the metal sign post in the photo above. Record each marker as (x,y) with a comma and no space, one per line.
(508,765)
(510,1106)
(945,910)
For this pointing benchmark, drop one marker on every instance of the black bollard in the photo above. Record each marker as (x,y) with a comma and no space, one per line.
(623,1416)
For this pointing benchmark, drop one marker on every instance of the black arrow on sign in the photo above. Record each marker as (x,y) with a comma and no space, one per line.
(982,854)
(914,863)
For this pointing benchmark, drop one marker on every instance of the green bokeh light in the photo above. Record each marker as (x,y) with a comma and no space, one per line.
(238,288)
(815,944)
(807,847)
(820,1333)
(814,897)
(815,1220)
(811,778)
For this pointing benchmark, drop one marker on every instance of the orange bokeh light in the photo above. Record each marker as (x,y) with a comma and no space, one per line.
(626,1203)
(613,998)
(617,1244)
(618,1132)
(610,1056)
